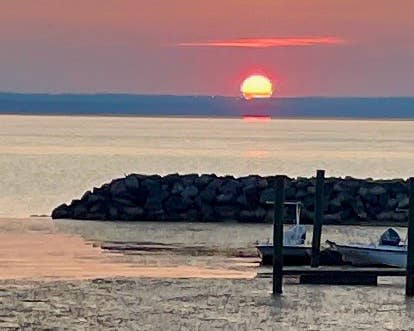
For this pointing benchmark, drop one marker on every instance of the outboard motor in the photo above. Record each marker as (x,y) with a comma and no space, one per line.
(296,235)
(390,238)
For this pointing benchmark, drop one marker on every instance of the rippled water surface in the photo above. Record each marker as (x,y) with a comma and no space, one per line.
(45,160)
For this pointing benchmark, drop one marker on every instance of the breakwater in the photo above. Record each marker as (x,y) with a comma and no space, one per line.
(211,198)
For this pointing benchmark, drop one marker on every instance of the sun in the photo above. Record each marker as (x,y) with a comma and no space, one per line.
(256,86)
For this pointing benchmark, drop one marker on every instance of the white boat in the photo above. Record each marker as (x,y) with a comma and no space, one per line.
(392,255)
(294,250)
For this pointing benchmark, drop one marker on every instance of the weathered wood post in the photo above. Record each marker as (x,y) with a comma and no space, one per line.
(318,219)
(409,286)
(278,235)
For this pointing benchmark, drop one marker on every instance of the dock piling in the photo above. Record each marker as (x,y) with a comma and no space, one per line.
(318,219)
(278,235)
(409,289)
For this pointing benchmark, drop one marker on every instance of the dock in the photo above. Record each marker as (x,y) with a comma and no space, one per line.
(342,275)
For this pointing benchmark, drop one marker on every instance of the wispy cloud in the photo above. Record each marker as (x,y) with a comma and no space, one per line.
(267,42)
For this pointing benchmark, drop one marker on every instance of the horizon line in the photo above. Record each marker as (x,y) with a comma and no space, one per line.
(204,95)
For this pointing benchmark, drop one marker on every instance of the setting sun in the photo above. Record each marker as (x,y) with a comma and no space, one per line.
(256,86)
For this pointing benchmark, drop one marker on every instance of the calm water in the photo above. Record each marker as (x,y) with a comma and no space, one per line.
(45,161)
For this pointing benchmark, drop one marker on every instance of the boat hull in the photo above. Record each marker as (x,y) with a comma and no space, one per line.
(298,255)
(373,255)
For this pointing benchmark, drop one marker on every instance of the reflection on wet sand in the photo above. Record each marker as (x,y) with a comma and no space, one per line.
(35,249)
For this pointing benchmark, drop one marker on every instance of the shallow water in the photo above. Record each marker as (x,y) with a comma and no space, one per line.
(47,160)
(39,248)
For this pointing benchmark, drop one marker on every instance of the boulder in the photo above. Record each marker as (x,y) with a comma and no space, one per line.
(132,183)
(226,212)
(230,187)
(97,208)
(250,194)
(132,213)
(189,179)
(332,218)
(254,216)
(377,190)
(208,194)
(190,191)
(79,211)
(171,179)
(403,203)
(225,198)
(267,195)
(61,211)
(113,213)
(177,204)
(177,187)
(121,202)
(118,188)
(207,213)
(203,180)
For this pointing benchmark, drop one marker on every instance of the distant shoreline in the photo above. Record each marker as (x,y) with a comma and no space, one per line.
(127,105)
(381,119)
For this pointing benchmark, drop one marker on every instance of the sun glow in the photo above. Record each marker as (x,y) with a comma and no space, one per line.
(256,86)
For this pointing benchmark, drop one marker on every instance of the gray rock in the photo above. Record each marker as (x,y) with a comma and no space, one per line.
(399,217)
(133,213)
(97,208)
(190,191)
(241,200)
(332,218)
(230,186)
(377,190)
(207,213)
(334,205)
(267,195)
(225,198)
(300,194)
(118,188)
(262,183)
(95,198)
(113,213)
(203,180)
(363,191)
(392,204)
(208,194)
(61,211)
(403,203)
(228,213)
(192,215)
(385,216)
(177,204)
(86,196)
(177,188)
(132,183)
(189,179)
(254,216)
(250,194)
(121,202)
(153,204)
(79,211)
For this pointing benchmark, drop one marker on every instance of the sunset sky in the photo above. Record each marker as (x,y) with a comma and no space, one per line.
(318,47)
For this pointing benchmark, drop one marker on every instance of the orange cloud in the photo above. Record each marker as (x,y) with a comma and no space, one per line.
(267,42)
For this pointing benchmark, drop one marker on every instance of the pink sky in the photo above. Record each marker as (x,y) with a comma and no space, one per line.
(318,47)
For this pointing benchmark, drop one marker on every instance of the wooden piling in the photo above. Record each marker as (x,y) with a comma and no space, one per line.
(318,219)
(278,235)
(409,287)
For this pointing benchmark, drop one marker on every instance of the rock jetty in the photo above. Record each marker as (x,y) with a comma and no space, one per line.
(210,198)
